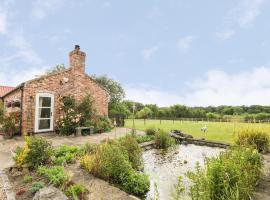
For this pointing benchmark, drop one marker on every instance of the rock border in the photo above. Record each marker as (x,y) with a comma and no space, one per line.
(7,188)
(201,142)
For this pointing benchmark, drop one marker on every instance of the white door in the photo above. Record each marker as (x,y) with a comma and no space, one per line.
(44,112)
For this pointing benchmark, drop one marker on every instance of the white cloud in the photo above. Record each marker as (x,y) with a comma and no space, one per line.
(249,11)
(41,8)
(13,77)
(243,15)
(24,49)
(225,35)
(148,53)
(184,43)
(217,88)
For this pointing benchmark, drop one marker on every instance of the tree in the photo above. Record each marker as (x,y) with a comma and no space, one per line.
(114,88)
(57,68)
(144,113)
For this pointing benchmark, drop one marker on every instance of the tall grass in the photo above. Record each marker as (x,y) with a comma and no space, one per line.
(163,140)
(254,137)
(110,161)
(231,176)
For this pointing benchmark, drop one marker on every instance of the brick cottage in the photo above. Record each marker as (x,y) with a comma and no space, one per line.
(38,100)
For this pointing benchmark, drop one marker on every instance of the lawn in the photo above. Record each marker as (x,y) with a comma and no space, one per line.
(218,131)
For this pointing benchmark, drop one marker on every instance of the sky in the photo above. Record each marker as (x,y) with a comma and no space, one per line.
(191,52)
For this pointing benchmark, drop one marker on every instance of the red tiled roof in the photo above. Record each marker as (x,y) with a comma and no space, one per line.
(4,90)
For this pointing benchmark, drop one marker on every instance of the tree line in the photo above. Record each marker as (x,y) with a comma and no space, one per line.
(118,106)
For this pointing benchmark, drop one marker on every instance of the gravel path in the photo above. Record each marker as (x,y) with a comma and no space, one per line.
(9,146)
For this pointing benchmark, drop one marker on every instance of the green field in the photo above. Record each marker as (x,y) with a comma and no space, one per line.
(218,131)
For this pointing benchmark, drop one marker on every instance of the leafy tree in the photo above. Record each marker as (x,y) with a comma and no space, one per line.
(118,109)
(144,113)
(113,87)
(55,69)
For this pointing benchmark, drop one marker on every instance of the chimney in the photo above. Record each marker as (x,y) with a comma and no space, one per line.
(77,60)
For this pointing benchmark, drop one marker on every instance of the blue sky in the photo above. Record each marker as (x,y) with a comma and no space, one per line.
(166,52)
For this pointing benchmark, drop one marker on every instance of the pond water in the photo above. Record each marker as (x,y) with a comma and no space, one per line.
(164,168)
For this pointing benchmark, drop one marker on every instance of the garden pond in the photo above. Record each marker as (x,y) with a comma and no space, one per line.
(164,168)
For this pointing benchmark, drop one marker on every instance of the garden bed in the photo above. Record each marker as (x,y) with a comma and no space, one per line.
(97,188)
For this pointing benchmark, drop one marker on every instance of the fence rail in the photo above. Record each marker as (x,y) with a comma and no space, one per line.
(175,120)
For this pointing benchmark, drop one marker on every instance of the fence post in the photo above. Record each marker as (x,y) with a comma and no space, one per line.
(159,121)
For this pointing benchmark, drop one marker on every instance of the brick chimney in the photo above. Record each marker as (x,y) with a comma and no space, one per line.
(77,60)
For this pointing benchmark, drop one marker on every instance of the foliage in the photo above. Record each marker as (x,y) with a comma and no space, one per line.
(40,151)
(20,156)
(27,179)
(114,88)
(119,109)
(76,191)
(101,124)
(11,124)
(144,138)
(232,175)
(151,130)
(86,109)
(69,118)
(86,148)
(111,162)
(163,140)
(135,183)
(75,114)
(65,154)
(56,175)
(37,151)
(134,151)
(256,138)
(144,113)
(179,189)
(57,68)
(36,187)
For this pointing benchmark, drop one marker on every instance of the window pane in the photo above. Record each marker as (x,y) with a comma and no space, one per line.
(44,101)
(44,124)
(44,113)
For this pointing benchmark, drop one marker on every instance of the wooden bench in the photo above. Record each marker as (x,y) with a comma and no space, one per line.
(79,130)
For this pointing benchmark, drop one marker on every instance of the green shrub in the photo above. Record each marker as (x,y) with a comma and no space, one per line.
(102,124)
(40,151)
(86,148)
(144,138)
(11,124)
(76,191)
(110,161)
(27,179)
(36,187)
(136,183)
(151,131)
(37,151)
(254,137)
(134,151)
(163,140)
(56,175)
(65,154)
(232,175)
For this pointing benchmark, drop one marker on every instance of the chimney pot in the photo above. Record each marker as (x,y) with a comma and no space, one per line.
(77,47)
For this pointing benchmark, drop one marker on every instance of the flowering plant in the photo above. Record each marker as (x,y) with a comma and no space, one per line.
(11,124)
